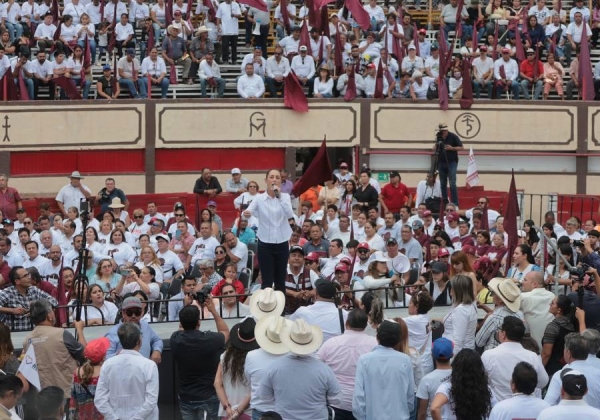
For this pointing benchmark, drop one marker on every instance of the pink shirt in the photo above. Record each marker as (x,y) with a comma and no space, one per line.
(341,353)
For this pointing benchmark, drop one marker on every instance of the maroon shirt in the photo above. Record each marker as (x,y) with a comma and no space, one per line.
(8,202)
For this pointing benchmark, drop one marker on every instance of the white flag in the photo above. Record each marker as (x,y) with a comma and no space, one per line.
(472,174)
(29,369)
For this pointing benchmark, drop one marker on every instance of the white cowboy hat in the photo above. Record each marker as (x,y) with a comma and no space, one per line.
(202,29)
(508,291)
(268,332)
(301,338)
(267,302)
(76,174)
(116,203)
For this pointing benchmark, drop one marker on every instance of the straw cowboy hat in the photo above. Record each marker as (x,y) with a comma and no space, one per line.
(116,203)
(268,332)
(508,291)
(76,174)
(202,29)
(301,338)
(267,302)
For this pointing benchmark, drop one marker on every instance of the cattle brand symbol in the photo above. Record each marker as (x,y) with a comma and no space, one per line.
(6,126)
(258,122)
(467,125)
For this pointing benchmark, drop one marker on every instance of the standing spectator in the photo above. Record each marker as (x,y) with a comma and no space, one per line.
(393,391)
(522,404)
(85,381)
(535,300)
(57,352)
(500,361)
(312,379)
(110,192)
(128,385)
(207,184)
(572,405)
(448,162)
(442,351)
(196,354)
(228,14)
(394,195)
(341,354)
(231,385)
(366,195)
(50,403)
(71,194)
(10,200)
(460,322)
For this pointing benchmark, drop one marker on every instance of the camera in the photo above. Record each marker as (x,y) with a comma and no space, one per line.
(579,272)
(84,206)
(203,294)
(578,243)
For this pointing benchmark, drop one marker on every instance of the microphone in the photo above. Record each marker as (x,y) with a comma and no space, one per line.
(275,190)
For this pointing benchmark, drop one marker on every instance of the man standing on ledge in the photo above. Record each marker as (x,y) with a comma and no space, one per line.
(207,184)
(448,161)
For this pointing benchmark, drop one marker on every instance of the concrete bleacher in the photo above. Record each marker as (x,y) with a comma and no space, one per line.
(230,72)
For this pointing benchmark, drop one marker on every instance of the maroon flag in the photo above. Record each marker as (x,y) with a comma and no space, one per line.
(293,95)
(87,54)
(441,214)
(8,88)
(169,11)
(559,6)
(188,13)
(151,41)
(495,48)
(258,4)
(55,10)
(62,317)
(338,53)
(113,35)
(443,92)
(211,9)
(416,39)
(536,63)
(552,48)
(520,51)
(320,3)
(305,37)
(320,56)
(485,222)
(149,86)
(57,33)
(586,78)
(23,94)
(173,75)
(32,28)
(351,87)
(317,172)
(396,48)
(467,88)
(68,86)
(378,94)
(361,17)
(510,220)
(285,15)
(102,7)
(324,24)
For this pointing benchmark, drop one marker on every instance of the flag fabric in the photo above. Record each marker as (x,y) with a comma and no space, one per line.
(257,4)
(293,95)
(29,368)
(536,63)
(397,49)
(337,57)
(285,16)
(350,88)
(443,92)
(113,35)
(416,39)
(495,47)
(324,23)
(68,86)
(472,174)
(317,172)
(441,214)
(313,16)
(378,94)
(149,86)
(485,221)
(586,78)
(510,220)
(361,17)
(102,7)
(169,12)
(87,60)
(305,37)
(150,43)
(467,88)
(173,74)
(520,51)
(444,63)
(211,9)
(61,313)
(8,89)
(320,55)
(55,10)
(23,94)
(320,3)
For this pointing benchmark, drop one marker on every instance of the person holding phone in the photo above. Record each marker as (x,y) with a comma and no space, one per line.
(182,241)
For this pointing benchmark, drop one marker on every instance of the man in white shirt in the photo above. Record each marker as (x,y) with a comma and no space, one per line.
(280,28)
(336,253)
(506,72)
(278,67)
(110,12)
(371,80)
(499,362)
(71,194)
(324,312)
(483,72)
(124,35)
(579,8)
(369,47)
(291,43)
(93,11)
(34,259)
(376,15)
(154,71)
(574,33)
(541,12)
(228,14)
(250,86)
(256,59)
(236,250)
(342,82)
(553,28)
(319,52)
(128,69)
(573,404)
(203,247)
(42,70)
(303,66)
(210,73)
(128,385)
(432,63)
(535,301)
(44,33)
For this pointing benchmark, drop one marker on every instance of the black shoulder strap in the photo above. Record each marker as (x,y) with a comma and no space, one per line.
(342,328)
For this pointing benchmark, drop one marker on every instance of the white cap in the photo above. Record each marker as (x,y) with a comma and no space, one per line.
(235,171)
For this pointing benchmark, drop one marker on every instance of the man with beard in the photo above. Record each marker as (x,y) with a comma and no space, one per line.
(299,281)
(50,271)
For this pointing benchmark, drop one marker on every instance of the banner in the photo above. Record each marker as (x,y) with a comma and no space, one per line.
(29,369)
(472,174)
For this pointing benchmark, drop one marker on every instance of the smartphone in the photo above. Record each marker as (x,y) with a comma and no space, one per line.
(124,272)
(177,234)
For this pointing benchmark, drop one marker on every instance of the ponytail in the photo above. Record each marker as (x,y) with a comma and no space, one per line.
(86,372)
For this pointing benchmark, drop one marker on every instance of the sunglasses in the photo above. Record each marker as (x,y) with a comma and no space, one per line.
(363,251)
(155,225)
(133,312)
(138,216)
(481,202)
(179,214)
(28,223)
(219,252)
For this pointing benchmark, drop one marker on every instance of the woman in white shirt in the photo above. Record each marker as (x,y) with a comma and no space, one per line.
(377,276)
(157,13)
(323,87)
(246,197)
(119,250)
(374,240)
(145,282)
(74,67)
(91,238)
(101,311)
(461,322)
(273,209)
(105,232)
(148,258)
(419,332)
(523,264)
(68,34)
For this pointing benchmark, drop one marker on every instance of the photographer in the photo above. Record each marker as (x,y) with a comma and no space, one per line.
(196,354)
(589,300)
(178,301)
(446,149)
(108,193)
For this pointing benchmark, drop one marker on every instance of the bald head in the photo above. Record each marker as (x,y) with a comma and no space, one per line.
(532,280)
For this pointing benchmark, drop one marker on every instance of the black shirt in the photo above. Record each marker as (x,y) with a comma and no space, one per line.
(197,355)
(106,198)
(369,196)
(450,155)
(202,185)
(591,306)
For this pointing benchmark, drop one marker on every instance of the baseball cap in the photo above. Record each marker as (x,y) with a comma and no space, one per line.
(23,210)
(412,47)
(344,164)
(505,50)
(439,267)
(391,242)
(483,48)
(106,67)
(530,51)
(152,220)
(163,237)
(442,348)
(452,217)
(573,382)
(443,252)
(371,66)
(177,12)
(95,350)
(469,249)
(178,205)
(417,224)
(394,174)
(303,48)
(427,213)
(297,248)
(325,289)
(422,31)
(212,203)
(131,302)
(346,260)
(130,51)
(235,171)
(341,267)
(363,245)
(312,256)
(7,222)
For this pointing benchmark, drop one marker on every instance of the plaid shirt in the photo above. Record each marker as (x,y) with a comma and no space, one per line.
(11,298)
(486,336)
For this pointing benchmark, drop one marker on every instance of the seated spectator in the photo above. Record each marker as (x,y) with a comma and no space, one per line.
(506,72)
(555,31)
(303,66)
(419,86)
(125,35)
(200,45)
(455,85)
(553,76)
(342,81)
(44,33)
(23,66)
(106,86)
(483,72)
(412,62)
(371,80)
(210,73)
(278,67)
(154,71)
(256,59)
(174,52)
(323,87)
(448,17)
(250,86)
(495,13)
(78,73)
(230,278)
(531,76)
(536,34)
(68,36)
(85,32)
(42,75)
(99,311)
(291,43)
(230,306)
(128,69)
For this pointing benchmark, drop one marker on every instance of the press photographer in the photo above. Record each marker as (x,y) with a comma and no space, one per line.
(108,193)
(446,148)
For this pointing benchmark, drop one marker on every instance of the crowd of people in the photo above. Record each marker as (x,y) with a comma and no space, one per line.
(310,279)
(150,39)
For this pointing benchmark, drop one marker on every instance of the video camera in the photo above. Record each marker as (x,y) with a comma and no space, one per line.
(203,294)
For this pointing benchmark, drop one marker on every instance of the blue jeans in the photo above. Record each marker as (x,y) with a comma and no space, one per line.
(220,87)
(164,86)
(92,48)
(447,28)
(256,415)
(448,173)
(194,410)
(526,87)
(514,86)
(157,30)
(128,83)
(15,30)
(477,88)
(28,85)
(86,87)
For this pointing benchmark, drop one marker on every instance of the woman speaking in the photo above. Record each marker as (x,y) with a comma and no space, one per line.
(272,209)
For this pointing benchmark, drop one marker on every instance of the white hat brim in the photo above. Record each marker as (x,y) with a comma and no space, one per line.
(494,286)
(260,333)
(303,349)
(259,313)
